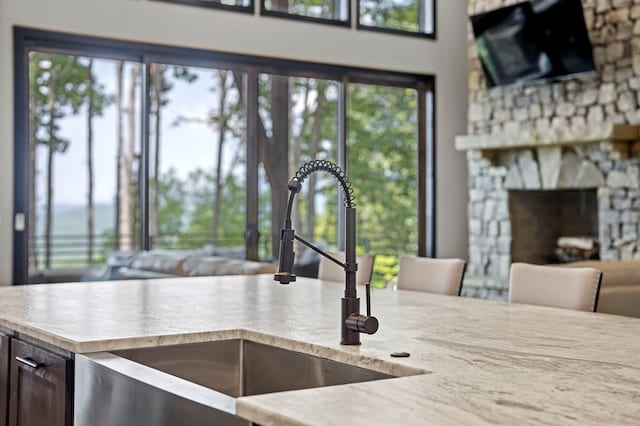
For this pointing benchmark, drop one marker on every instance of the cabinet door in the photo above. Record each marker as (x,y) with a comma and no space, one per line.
(4,380)
(41,387)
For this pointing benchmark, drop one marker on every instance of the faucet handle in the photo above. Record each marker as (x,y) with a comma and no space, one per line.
(363,323)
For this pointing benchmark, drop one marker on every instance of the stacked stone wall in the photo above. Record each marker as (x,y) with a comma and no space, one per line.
(582,167)
(565,109)
(551,112)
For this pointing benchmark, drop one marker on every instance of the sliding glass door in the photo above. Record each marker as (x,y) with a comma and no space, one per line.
(83,165)
(123,148)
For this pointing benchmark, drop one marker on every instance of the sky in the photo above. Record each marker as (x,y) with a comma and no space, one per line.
(184,147)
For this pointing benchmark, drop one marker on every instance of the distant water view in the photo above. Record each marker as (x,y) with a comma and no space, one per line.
(71,219)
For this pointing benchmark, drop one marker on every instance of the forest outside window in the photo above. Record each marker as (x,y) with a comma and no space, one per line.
(325,11)
(197,161)
(122,155)
(82,111)
(382,147)
(415,17)
(303,111)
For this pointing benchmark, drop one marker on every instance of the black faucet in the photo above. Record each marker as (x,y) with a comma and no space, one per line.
(352,323)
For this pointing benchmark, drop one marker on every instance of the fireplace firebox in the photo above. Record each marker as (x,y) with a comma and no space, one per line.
(540,218)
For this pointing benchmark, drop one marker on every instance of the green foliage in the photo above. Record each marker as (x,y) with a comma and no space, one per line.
(382,165)
(385,269)
(394,14)
(314,8)
(312,135)
(162,84)
(107,241)
(58,86)
(186,210)
(173,208)
(200,217)
(382,147)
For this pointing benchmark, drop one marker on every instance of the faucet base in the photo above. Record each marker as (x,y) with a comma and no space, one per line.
(350,306)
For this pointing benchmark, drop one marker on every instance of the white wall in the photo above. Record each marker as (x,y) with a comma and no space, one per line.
(178,25)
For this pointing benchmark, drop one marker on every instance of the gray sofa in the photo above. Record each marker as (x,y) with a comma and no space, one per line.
(179,263)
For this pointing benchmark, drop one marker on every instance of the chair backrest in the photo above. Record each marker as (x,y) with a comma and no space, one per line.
(442,276)
(330,271)
(620,288)
(569,288)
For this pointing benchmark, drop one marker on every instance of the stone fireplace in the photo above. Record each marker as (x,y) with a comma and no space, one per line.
(563,153)
(522,199)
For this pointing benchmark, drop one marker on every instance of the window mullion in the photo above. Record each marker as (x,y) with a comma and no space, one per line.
(252,122)
(143,165)
(423,231)
(429,195)
(341,155)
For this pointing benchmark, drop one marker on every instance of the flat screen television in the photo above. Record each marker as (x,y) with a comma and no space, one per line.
(533,40)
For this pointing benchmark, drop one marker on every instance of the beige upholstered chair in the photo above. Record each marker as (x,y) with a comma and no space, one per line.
(330,271)
(620,288)
(442,276)
(569,288)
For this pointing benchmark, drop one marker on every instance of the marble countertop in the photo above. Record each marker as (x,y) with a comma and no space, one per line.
(489,362)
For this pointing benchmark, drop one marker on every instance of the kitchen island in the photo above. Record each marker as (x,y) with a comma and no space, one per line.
(483,362)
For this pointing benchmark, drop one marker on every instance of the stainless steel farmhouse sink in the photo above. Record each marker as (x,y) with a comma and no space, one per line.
(195,383)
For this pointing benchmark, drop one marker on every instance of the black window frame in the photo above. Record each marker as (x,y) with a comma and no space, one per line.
(420,34)
(303,18)
(213,5)
(27,39)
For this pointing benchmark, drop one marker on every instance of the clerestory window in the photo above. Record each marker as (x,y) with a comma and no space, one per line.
(409,17)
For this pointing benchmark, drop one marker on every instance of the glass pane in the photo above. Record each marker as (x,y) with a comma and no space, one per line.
(242,3)
(197,163)
(322,9)
(401,15)
(84,119)
(306,110)
(382,162)
(238,3)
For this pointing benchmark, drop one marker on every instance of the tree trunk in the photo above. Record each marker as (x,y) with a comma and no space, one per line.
(222,128)
(313,151)
(90,113)
(51,99)
(295,153)
(272,153)
(119,154)
(126,198)
(274,157)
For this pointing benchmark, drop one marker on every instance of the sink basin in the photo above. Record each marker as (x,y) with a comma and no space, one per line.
(196,383)
(243,367)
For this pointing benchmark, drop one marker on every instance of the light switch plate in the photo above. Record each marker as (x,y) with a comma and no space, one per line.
(19,223)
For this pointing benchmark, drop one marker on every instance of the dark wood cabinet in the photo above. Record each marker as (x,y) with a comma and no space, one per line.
(41,385)
(4,379)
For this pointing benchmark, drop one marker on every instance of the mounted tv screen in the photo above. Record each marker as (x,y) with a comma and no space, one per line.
(533,40)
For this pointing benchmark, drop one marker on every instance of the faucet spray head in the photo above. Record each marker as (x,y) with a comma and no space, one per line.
(287,255)
(294,185)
